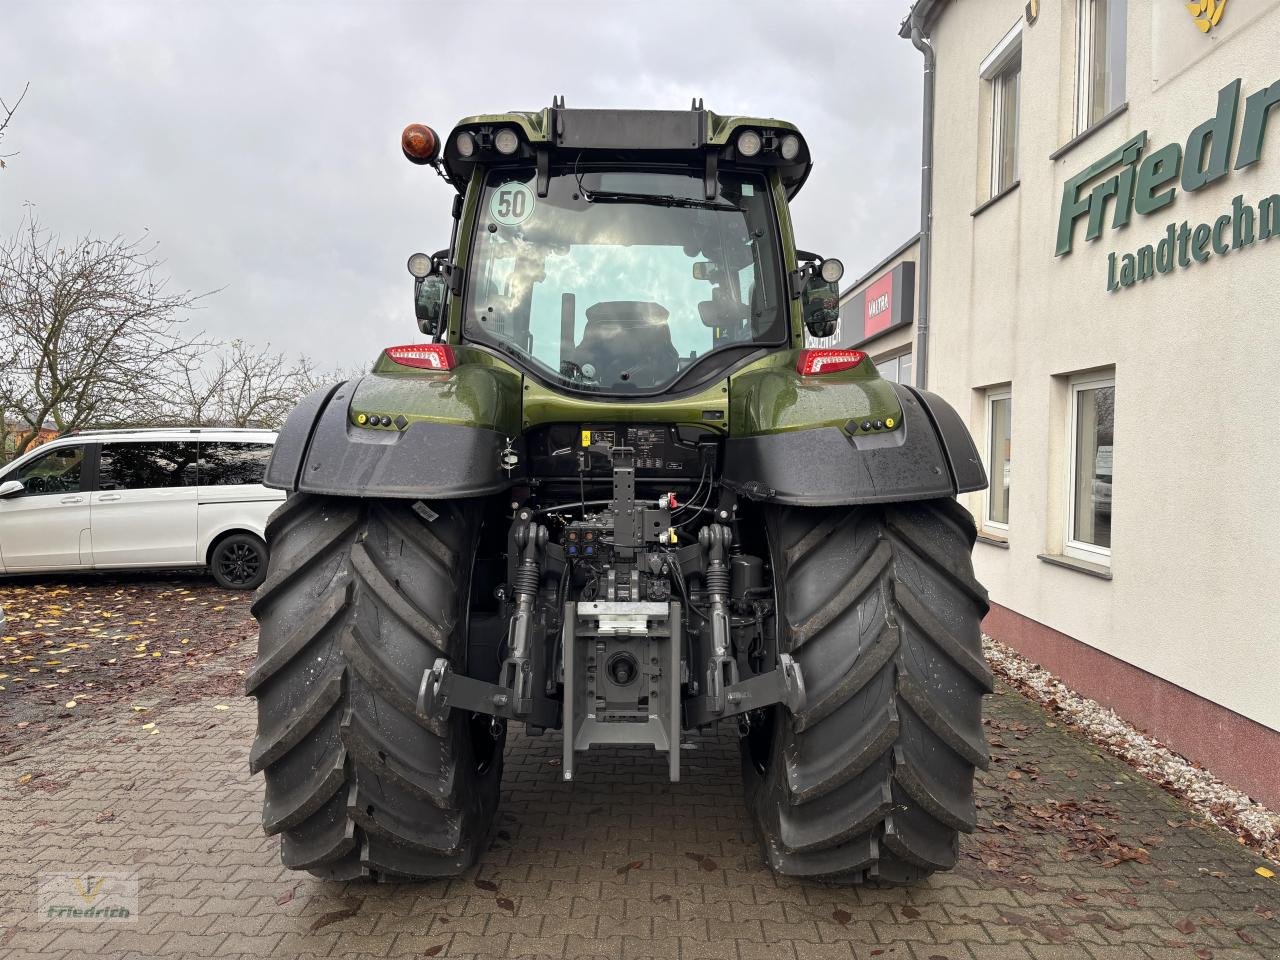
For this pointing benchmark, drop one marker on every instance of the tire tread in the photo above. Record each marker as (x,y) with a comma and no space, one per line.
(873,780)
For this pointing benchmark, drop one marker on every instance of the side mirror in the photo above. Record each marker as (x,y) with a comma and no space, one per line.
(10,488)
(820,296)
(428,303)
(820,306)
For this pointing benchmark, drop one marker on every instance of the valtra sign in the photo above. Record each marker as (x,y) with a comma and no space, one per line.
(1145,184)
(886,303)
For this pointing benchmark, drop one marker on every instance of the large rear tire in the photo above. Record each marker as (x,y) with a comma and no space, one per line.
(361,597)
(873,779)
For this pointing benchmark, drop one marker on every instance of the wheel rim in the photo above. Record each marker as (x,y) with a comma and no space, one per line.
(239,563)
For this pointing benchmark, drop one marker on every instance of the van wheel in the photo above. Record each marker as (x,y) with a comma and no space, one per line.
(239,562)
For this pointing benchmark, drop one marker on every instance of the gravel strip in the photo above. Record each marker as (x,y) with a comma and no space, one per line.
(1249,821)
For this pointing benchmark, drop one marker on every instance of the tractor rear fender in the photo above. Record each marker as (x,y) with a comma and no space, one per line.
(928,454)
(425,434)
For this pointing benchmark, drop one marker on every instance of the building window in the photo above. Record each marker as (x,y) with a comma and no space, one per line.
(1004,126)
(1100,53)
(1092,418)
(896,369)
(1002,70)
(999,435)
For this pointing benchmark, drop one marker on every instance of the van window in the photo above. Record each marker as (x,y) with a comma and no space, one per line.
(145,466)
(224,464)
(58,471)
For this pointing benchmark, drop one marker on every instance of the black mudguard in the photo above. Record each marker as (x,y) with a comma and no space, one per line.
(930,455)
(320,451)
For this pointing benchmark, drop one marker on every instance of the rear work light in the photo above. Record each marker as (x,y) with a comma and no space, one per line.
(812,363)
(426,356)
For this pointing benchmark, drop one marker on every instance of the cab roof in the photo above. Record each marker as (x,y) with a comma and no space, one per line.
(696,136)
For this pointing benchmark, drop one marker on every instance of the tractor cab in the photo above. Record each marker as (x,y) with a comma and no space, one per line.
(622,252)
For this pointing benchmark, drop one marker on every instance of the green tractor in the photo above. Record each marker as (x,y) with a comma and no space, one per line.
(613,494)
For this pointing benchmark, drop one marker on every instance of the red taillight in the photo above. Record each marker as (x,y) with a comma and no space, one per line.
(419,143)
(813,362)
(427,356)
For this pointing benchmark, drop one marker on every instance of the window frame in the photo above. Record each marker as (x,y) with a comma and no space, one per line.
(1071,547)
(994,395)
(1085,63)
(993,70)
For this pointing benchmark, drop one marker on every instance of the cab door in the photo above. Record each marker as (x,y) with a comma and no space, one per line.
(45,526)
(144,510)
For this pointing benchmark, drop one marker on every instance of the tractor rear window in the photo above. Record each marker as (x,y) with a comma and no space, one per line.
(619,281)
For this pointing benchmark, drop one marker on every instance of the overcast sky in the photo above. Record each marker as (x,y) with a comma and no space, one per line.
(258,142)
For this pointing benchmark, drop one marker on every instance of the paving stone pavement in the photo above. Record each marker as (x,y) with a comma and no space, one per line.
(1077,857)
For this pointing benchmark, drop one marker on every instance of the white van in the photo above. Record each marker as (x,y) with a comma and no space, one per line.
(120,499)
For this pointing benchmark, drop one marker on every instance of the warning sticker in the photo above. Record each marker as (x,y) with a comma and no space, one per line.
(511,204)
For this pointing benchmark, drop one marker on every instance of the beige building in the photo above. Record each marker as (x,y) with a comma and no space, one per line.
(1103,305)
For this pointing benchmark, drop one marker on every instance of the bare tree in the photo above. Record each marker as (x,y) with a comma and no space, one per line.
(244,387)
(89,335)
(6,114)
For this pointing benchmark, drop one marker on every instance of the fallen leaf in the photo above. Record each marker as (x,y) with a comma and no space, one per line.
(148,726)
(1014,775)
(336,916)
(1204,953)
(1245,938)
(1185,927)
(506,904)
(1264,872)
(841,917)
(70,704)
(628,867)
(487,885)
(433,951)
(911,913)
(106,816)
(285,897)
(221,706)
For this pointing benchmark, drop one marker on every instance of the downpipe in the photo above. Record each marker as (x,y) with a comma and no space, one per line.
(922,43)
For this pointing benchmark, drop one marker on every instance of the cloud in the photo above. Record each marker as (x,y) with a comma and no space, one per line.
(259,142)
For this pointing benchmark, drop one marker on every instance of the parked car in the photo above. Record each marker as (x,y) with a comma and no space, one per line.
(125,499)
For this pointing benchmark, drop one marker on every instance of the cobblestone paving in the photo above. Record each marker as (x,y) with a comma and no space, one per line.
(1076,858)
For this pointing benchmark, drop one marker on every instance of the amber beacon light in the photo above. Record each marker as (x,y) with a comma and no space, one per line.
(419,143)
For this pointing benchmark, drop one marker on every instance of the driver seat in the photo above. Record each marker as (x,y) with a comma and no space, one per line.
(627,335)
